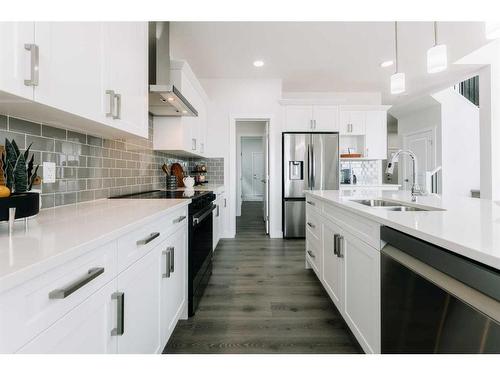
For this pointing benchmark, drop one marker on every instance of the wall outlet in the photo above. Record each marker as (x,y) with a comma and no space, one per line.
(49,172)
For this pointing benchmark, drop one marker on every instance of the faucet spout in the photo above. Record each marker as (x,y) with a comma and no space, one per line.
(415,188)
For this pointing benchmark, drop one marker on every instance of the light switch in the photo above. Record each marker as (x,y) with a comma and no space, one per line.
(49,172)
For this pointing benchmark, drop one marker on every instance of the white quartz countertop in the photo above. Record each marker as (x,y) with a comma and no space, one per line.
(369,186)
(59,232)
(467,226)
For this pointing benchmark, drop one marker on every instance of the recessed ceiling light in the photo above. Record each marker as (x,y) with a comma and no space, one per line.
(184,111)
(386,64)
(170,99)
(258,63)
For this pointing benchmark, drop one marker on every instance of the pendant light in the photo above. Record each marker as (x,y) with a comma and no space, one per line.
(398,78)
(437,56)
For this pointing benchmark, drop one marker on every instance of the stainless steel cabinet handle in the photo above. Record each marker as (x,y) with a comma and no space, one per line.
(311,225)
(314,122)
(311,203)
(168,266)
(225,202)
(120,314)
(193,143)
(179,219)
(118,98)
(34,64)
(172,259)
(311,254)
(340,246)
(218,211)
(336,244)
(111,112)
(74,286)
(148,239)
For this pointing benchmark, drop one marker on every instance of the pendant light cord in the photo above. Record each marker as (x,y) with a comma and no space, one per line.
(396,43)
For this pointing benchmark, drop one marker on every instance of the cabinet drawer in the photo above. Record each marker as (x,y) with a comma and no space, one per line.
(313,224)
(313,203)
(30,308)
(313,254)
(139,242)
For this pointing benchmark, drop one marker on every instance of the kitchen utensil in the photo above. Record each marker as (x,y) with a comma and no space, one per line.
(178,172)
(171,182)
(165,169)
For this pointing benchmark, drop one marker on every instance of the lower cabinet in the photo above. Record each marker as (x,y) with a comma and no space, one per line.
(333,271)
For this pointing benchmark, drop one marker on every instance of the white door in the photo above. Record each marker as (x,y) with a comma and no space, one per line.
(362,291)
(84,330)
(140,285)
(423,145)
(173,283)
(326,118)
(332,264)
(125,71)
(376,135)
(258,174)
(15,60)
(298,118)
(70,66)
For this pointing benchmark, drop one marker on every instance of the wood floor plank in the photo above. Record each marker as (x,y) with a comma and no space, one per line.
(260,299)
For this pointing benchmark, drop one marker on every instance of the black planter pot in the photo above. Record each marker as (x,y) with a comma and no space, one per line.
(26,204)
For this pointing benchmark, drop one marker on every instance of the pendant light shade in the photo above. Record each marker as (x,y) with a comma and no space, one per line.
(437,56)
(397,83)
(492,30)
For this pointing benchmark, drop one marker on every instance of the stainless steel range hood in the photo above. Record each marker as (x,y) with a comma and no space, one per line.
(164,98)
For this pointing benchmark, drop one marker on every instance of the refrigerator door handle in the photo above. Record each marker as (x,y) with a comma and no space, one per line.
(313,167)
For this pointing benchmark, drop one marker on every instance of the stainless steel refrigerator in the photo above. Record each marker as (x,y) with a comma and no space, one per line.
(310,162)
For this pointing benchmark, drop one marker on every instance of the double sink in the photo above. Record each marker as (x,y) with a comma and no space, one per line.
(393,205)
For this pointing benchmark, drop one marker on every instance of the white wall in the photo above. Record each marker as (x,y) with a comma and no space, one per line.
(346,98)
(245,99)
(245,129)
(459,143)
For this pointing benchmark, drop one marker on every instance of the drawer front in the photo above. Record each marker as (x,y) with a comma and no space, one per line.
(313,224)
(313,254)
(30,308)
(313,203)
(365,229)
(139,242)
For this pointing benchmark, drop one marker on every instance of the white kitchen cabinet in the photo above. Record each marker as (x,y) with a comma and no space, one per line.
(140,287)
(15,59)
(333,268)
(84,330)
(216,224)
(70,66)
(311,118)
(224,215)
(362,291)
(352,122)
(376,135)
(125,72)
(173,291)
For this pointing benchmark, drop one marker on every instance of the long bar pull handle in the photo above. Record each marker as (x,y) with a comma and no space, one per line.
(311,254)
(73,287)
(309,167)
(168,265)
(118,98)
(34,64)
(120,314)
(311,203)
(336,244)
(311,225)
(148,239)
(111,112)
(172,259)
(340,246)
(179,219)
(313,169)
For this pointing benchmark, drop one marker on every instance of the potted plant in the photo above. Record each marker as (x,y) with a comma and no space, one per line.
(19,174)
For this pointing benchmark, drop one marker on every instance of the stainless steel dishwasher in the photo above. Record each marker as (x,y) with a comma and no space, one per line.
(435,301)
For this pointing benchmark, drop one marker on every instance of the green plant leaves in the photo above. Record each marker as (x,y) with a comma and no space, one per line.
(18,172)
(20,175)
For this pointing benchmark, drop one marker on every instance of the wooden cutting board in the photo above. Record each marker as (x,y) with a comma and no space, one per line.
(178,172)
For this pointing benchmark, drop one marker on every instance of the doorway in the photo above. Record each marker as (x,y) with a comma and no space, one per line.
(252,166)
(422,143)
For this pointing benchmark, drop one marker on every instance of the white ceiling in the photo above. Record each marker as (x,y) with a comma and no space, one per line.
(325,56)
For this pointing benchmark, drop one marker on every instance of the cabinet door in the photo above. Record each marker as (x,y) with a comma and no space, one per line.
(173,282)
(140,285)
(224,209)
(298,118)
(326,118)
(15,61)
(352,122)
(332,264)
(70,67)
(362,291)
(125,71)
(216,224)
(84,330)
(376,135)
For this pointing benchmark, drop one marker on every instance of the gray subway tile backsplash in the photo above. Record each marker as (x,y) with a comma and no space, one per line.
(89,167)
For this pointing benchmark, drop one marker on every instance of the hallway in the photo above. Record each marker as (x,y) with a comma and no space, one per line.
(260,299)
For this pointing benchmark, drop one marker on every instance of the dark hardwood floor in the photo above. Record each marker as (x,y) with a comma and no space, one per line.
(261,300)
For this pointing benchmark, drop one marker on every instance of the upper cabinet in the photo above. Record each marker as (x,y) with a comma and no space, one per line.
(89,76)
(352,122)
(311,118)
(184,135)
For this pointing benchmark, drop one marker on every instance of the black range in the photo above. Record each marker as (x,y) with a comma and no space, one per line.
(200,237)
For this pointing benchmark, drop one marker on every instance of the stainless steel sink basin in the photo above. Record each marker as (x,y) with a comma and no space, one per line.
(377,203)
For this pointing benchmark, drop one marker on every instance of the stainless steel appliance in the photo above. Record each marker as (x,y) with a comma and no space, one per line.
(200,232)
(434,301)
(310,162)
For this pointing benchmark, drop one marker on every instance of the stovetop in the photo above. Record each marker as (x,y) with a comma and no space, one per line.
(165,194)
